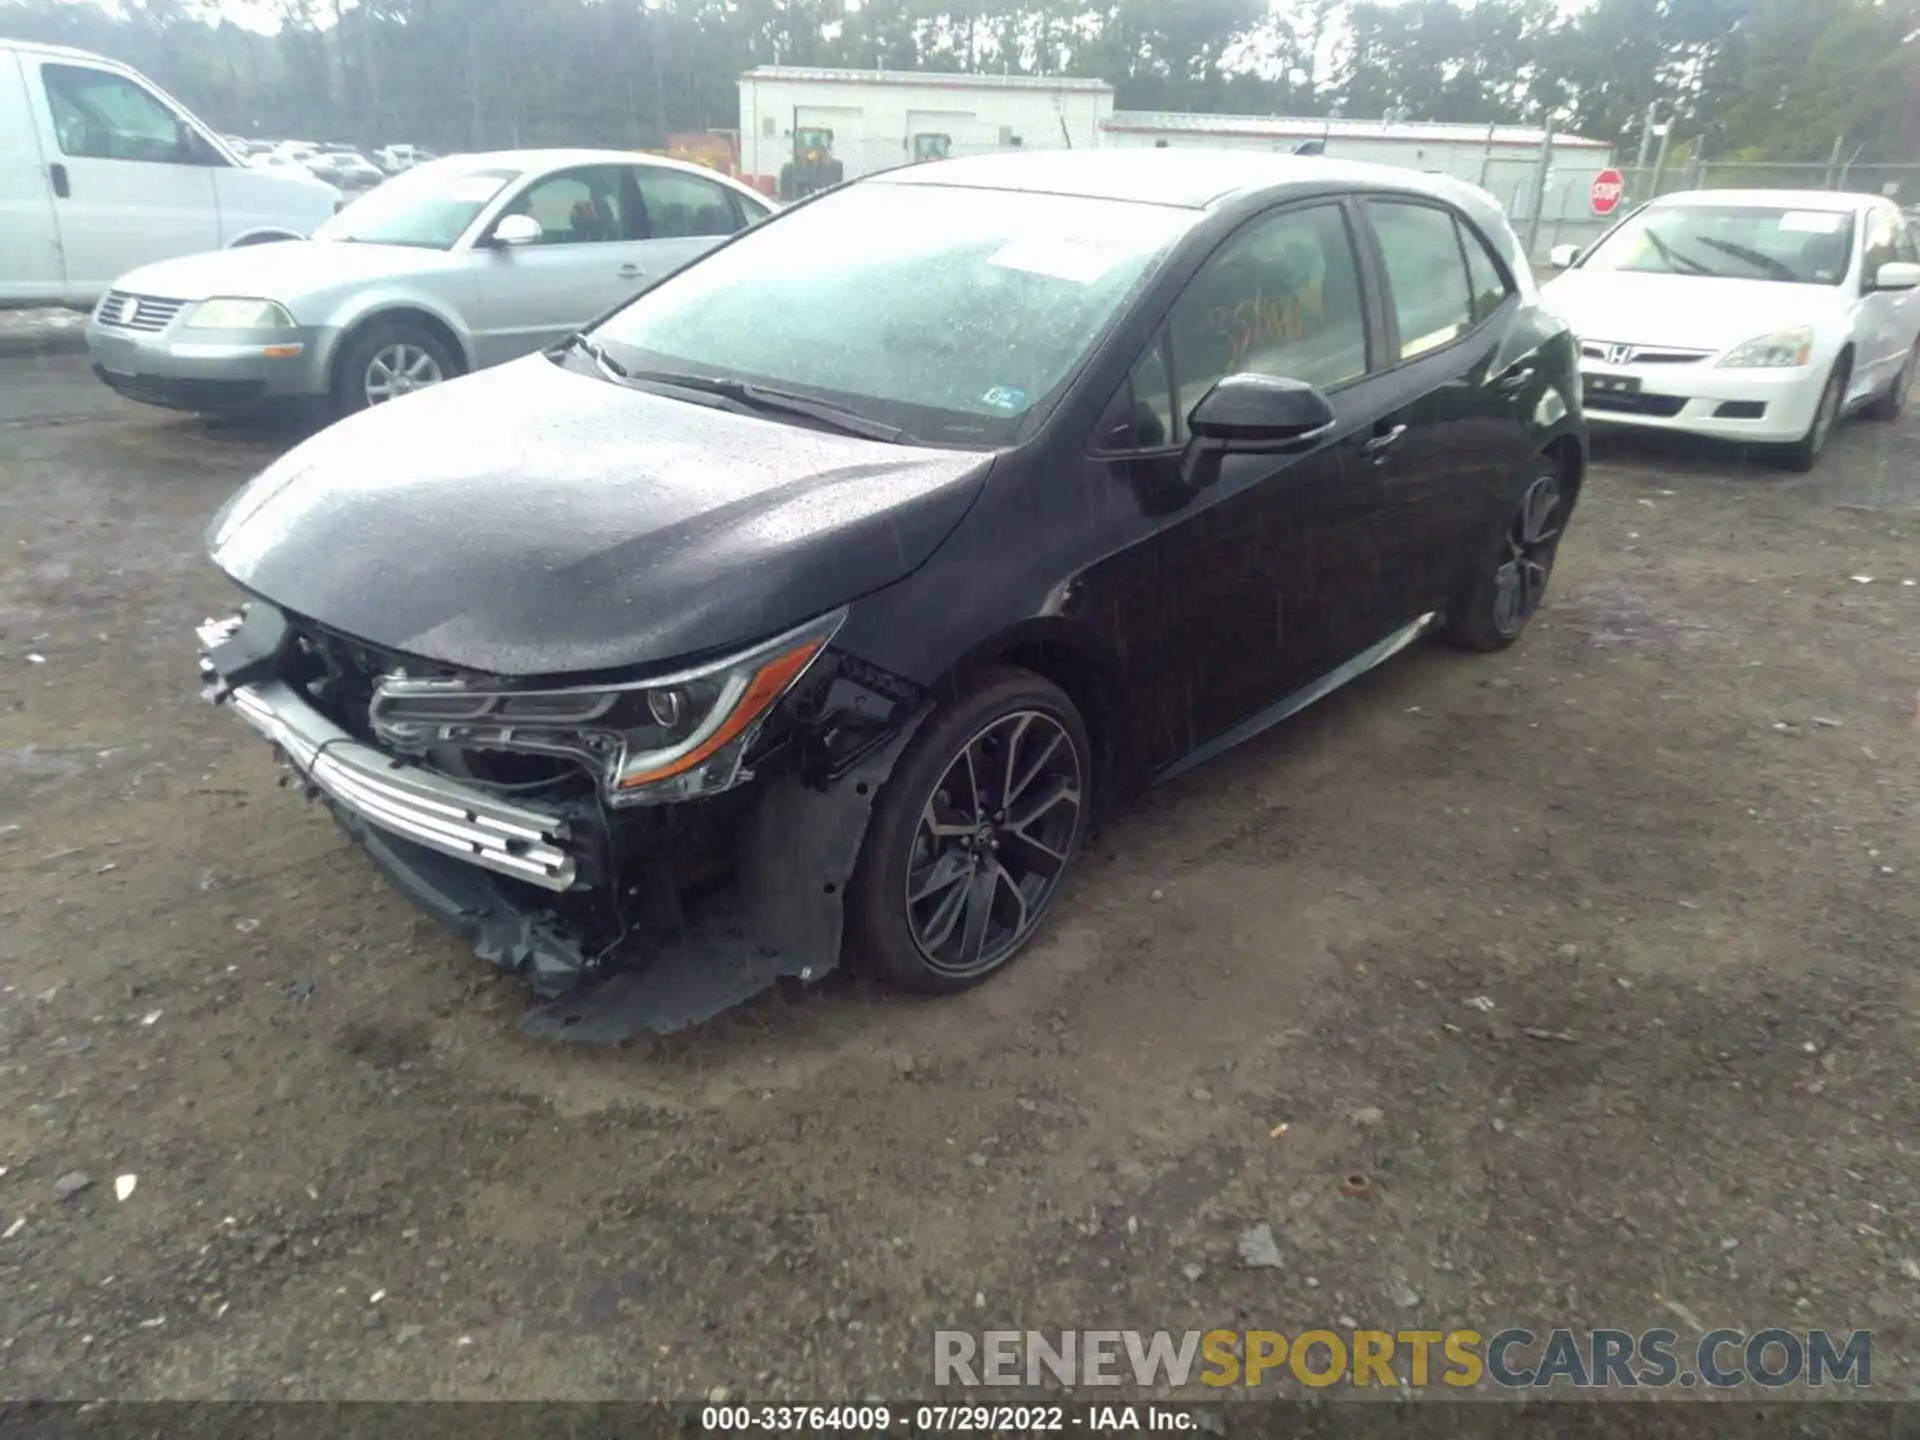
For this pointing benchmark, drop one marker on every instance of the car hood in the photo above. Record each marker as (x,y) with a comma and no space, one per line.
(530,520)
(1685,312)
(284,270)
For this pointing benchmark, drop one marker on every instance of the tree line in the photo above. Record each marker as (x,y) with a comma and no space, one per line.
(1764,79)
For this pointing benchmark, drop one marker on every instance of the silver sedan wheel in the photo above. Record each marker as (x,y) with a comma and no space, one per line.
(400,369)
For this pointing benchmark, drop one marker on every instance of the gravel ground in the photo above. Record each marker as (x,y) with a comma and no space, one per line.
(1597,958)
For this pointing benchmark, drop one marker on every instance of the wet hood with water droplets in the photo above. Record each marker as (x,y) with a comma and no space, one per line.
(531,520)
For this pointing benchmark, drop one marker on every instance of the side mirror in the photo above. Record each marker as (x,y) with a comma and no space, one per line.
(1255,414)
(1563,257)
(517,230)
(1252,415)
(1897,275)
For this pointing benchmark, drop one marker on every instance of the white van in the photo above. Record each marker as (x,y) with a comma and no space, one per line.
(102,171)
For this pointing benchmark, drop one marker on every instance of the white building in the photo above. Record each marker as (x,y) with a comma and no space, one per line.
(1503,158)
(875,114)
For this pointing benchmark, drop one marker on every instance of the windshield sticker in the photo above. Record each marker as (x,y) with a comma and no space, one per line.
(1813,222)
(474,189)
(1004,398)
(1075,260)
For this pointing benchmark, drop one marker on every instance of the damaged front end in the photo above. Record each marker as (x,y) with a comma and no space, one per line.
(644,852)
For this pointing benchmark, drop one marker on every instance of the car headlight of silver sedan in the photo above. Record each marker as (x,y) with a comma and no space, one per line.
(1781,350)
(231,312)
(647,743)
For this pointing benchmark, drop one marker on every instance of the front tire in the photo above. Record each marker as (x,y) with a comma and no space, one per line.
(1509,578)
(972,838)
(1804,453)
(1889,405)
(386,360)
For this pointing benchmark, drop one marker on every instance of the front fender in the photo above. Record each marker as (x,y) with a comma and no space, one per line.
(356,309)
(797,849)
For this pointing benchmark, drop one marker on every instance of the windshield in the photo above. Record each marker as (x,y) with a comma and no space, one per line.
(950,313)
(427,207)
(1732,242)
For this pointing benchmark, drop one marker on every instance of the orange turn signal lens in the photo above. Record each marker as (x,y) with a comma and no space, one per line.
(769,683)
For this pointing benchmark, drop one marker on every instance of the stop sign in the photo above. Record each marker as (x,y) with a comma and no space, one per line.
(1606,191)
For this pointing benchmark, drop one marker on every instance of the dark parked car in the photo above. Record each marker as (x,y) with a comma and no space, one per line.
(816,598)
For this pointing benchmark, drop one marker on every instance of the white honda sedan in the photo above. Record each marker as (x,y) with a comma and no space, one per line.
(1754,315)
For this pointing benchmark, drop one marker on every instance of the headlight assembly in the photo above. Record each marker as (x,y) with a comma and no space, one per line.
(227,312)
(647,743)
(1778,351)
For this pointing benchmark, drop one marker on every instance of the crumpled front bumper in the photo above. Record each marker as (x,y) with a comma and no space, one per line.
(502,873)
(517,841)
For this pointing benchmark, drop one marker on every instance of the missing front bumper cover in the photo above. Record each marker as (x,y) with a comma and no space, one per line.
(512,877)
(782,919)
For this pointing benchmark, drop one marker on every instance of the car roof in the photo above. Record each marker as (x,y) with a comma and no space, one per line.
(1771,199)
(1188,178)
(561,158)
(1203,179)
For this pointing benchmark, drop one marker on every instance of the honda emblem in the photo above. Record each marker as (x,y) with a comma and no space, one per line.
(1619,354)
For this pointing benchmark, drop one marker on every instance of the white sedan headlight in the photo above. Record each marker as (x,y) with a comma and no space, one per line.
(227,312)
(1778,351)
(672,738)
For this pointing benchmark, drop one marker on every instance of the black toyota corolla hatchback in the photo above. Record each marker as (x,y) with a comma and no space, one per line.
(810,603)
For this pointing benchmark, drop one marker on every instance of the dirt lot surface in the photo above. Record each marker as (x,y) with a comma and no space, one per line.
(1597,958)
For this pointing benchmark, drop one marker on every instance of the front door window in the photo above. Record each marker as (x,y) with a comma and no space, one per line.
(98,115)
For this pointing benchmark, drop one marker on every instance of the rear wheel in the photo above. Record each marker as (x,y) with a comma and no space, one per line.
(1804,453)
(388,359)
(1509,578)
(973,835)
(1889,405)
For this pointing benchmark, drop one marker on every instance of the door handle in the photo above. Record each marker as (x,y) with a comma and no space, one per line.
(1514,382)
(58,175)
(1380,444)
(632,272)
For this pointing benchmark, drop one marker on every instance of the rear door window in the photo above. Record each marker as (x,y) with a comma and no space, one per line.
(1432,300)
(1488,283)
(681,206)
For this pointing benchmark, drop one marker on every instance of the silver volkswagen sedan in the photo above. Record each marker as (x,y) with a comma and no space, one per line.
(451,266)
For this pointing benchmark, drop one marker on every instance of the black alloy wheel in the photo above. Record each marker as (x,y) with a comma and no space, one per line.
(1520,582)
(992,843)
(974,835)
(1510,580)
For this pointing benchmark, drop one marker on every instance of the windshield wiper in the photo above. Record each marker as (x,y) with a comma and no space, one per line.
(759,399)
(1672,258)
(1759,260)
(593,352)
